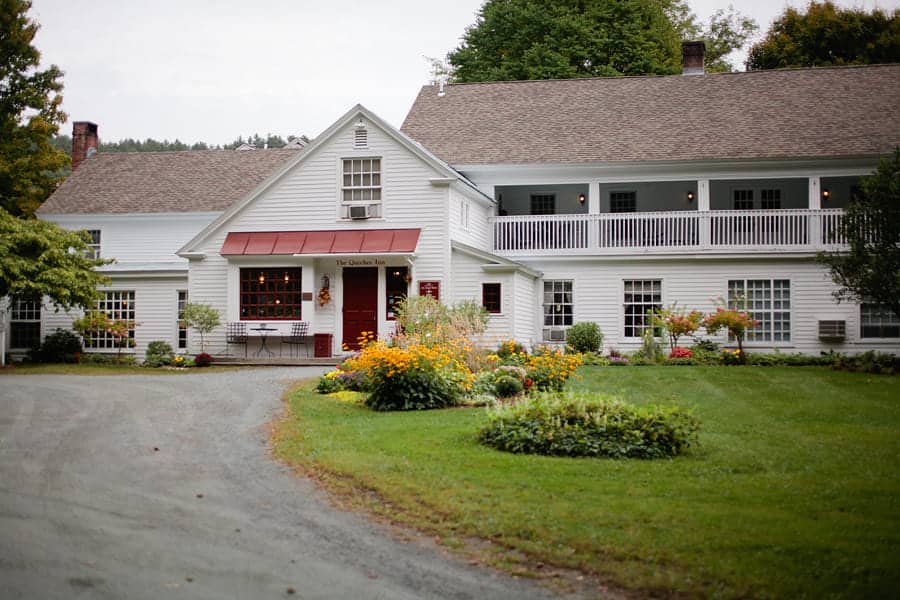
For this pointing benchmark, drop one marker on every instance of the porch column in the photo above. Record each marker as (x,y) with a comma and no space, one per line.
(704,221)
(815,203)
(594,198)
(308,283)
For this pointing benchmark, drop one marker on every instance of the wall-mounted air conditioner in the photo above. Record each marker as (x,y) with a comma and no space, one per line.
(359,212)
(832,331)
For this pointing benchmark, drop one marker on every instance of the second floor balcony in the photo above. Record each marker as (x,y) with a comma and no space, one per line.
(678,232)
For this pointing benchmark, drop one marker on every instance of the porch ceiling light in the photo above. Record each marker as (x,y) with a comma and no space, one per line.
(581,198)
(826,194)
(690,196)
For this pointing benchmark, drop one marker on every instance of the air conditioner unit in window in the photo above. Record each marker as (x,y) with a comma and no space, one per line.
(832,331)
(359,212)
(555,335)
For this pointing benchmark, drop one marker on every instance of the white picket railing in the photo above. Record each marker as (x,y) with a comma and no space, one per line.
(669,232)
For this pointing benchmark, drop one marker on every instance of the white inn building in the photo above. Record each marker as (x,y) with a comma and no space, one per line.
(550,202)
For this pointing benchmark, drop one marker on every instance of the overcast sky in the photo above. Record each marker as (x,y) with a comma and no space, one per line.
(211,70)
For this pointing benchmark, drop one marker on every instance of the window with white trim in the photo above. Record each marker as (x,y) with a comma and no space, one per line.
(770,198)
(559,308)
(118,306)
(94,246)
(742,199)
(622,202)
(24,324)
(878,321)
(641,296)
(361,184)
(769,302)
(180,324)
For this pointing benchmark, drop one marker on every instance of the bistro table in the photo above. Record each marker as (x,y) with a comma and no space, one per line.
(263,334)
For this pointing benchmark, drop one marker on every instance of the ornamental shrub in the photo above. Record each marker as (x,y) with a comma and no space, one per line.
(330,382)
(158,353)
(202,360)
(508,348)
(414,377)
(589,425)
(680,352)
(61,346)
(584,337)
(507,386)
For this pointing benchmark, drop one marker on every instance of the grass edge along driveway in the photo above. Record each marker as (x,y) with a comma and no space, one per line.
(793,491)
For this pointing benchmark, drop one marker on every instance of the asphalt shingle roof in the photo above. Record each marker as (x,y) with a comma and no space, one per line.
(793,113)
(154,182)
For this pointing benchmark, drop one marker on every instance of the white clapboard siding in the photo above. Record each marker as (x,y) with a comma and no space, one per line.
(468,276)
(469,221)
(139,238)
(598,296)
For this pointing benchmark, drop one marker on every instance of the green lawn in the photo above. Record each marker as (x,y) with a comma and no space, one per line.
(794,490)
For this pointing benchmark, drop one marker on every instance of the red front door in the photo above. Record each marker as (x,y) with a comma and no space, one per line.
(360,303)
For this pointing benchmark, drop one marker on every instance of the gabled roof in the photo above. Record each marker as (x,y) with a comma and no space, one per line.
(156,182)
(793,113)
(354,113)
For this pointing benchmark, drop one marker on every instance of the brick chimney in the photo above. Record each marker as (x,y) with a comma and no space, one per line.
(85,142)
(692,54)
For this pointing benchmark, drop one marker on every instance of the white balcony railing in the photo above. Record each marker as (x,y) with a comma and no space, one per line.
(669,232)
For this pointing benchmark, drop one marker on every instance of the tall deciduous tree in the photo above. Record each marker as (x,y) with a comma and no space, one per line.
(40,259)
(544,39)
(828,35)
(870,270)
(30,114)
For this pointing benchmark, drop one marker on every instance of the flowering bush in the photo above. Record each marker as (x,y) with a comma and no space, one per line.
(680,352)
(330,382)
(677,323)
(508,348)
(550,371)
(414,377)
(735,357)
(179,361)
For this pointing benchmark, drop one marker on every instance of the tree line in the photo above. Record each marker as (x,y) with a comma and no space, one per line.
(63,142)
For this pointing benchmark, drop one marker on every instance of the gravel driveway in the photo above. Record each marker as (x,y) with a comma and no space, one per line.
(161,487)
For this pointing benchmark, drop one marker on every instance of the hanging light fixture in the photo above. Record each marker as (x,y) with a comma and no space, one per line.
(262,277)
(287,277)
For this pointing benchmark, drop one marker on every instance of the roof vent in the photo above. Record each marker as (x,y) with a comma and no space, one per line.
(361,137)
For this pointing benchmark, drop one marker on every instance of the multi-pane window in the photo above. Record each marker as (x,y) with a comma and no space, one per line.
(641,297)
(878,321)
(622,202)
(397,287)
(769,302)
(94,246)
(181,325)
(558,309)
(270,294)
(743,199)
(361,180)
(118,306)
(24,324)
(490,297)
(543,204)
(770,198)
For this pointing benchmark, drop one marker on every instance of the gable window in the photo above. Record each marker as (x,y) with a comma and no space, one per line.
(559,309)
(181,325)
(770,199)
(742,199)
(361,184)
(878,321)
(94,247)
(641,296)
(769,302)
(24,324)
(272,294)
(396,287)
(622,202)
(490,297)
(543,204)
(118,306)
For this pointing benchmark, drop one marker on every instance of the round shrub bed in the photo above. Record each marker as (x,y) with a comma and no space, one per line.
(589,425)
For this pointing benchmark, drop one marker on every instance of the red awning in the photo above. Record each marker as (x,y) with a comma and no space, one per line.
(350,241)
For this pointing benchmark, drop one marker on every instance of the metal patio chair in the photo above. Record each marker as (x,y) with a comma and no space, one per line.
(236,333)
(299,337)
